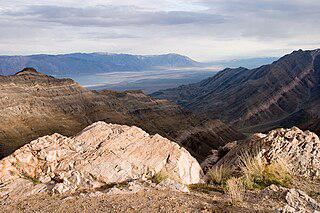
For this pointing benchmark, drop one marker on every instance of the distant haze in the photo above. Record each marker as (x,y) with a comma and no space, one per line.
(247,63)
(123,71)
(205,30)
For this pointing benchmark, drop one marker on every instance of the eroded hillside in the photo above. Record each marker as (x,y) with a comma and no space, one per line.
(284,93)
(33,104)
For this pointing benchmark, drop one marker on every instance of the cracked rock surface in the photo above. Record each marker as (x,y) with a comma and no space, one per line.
(300,150)
(299,201)
(101,154)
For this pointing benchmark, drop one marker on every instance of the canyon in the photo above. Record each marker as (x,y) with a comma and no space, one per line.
(34,104)
(210,146)
(282,94)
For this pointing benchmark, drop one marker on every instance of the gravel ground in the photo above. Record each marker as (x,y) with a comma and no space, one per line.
(149,200)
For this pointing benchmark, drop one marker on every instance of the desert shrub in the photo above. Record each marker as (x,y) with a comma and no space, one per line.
(314,194)
(32,179)
(235,190)
(220,174)
(259,174)
(252,168)
(122,185)
(119,185)
(277,173)
(159,177)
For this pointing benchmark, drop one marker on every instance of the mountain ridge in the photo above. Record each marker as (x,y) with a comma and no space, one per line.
(269,96)
(33,104)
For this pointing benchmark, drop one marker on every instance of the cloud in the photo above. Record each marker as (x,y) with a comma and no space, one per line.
(202,29)
(108,35)
(269,19)
(109,16)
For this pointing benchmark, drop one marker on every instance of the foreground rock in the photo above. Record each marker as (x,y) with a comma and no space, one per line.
(300,150)
(291,200)
(299,201)
(101,154)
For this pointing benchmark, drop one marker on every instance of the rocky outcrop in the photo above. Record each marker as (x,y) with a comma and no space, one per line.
(298,149)
(33,105)
(108,161)
(299,201)
(101,154)
(293,200)
(284,93)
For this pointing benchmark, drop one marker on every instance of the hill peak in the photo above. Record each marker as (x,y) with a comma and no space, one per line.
(29,71)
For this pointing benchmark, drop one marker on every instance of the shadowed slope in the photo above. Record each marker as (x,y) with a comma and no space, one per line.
(284,93)
(33,104)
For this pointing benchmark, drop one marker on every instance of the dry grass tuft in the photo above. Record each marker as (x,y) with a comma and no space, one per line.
(220,174)
(252,168)
(277,173)
(259,174)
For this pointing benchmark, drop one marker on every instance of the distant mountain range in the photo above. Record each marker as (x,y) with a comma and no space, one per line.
(249,63)
(93,63)
(284,93)
(88,63)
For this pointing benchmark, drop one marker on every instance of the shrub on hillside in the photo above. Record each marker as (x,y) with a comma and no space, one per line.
(259,174)
(220,174)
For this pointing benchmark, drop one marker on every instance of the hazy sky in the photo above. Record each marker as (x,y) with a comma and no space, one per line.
(205,30)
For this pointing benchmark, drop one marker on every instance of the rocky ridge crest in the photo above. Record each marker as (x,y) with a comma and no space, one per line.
(300,150)
(282,94)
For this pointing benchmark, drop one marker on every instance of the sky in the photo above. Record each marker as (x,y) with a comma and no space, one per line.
(205,30)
